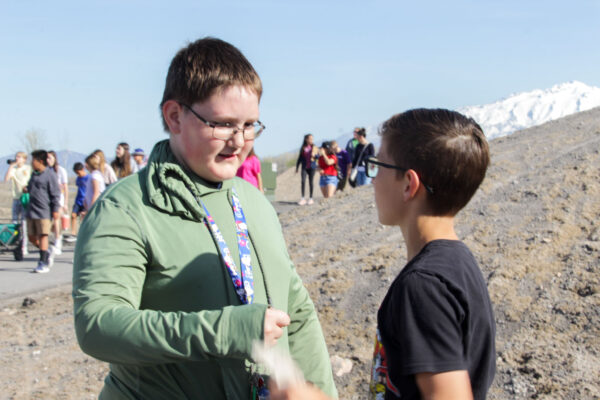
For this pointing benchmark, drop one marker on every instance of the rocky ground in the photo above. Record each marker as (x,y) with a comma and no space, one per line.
(533,227)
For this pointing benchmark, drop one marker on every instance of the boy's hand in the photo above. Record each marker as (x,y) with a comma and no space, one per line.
(275,320)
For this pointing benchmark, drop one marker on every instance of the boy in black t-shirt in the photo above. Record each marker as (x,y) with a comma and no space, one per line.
(435,326)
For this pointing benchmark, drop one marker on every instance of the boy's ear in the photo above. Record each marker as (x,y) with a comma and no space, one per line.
(172,113)
(412,184)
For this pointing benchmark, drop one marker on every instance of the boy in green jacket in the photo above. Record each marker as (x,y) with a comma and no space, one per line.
(180,268)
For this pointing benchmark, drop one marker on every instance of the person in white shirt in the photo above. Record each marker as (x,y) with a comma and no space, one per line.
(106,170)
(18,174)
(95,183)
(63,185)
(139,158)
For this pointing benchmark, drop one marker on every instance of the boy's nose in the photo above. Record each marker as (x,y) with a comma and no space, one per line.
(237,140)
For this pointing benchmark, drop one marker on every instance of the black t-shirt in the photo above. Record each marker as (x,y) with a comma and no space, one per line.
(437,316)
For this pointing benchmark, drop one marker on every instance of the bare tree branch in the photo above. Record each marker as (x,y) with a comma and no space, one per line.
(34,139)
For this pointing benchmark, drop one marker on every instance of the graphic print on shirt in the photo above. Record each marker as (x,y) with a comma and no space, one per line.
(380,381)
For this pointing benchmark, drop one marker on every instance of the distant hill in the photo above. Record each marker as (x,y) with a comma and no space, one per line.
(66,159)
(528,109)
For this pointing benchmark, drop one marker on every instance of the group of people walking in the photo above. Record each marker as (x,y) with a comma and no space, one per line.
(337,166)
(46,186)
(40,194)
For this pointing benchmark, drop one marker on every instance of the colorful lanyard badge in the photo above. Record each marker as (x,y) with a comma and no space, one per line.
(244,285)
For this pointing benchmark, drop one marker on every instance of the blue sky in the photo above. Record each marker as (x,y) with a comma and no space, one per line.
(91,74)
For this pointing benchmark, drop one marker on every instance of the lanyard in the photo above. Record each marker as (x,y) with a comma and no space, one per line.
(244,285)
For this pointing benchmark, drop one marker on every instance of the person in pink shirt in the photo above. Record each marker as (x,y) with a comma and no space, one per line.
(250,170)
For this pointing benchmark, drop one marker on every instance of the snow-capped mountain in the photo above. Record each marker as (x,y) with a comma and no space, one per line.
(517,111)
(523,110)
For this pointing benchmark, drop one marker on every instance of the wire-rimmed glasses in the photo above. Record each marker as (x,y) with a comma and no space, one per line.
(226,130)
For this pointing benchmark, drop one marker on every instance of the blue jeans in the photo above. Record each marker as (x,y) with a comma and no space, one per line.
(361,178)
(328,180)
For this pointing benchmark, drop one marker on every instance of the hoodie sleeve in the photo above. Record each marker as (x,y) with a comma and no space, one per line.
(108,277)
(306,341)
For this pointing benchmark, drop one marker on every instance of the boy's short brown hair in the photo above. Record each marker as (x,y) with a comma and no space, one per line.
(448,151)
(203,67)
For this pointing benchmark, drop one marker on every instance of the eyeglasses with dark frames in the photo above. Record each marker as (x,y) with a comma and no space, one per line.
(226,131)
(373,165)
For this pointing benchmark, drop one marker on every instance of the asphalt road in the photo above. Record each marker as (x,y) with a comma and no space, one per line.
(17,278)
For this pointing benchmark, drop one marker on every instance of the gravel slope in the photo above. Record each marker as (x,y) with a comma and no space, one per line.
(533,227)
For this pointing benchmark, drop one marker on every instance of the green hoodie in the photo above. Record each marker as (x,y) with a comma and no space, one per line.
(153,298)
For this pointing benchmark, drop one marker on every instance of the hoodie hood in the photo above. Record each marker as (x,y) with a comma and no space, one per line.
(175,189)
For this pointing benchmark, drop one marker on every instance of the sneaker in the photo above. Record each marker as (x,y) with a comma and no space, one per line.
(310,201)
(71,239)
(57,248)
(42,268)
(302,201)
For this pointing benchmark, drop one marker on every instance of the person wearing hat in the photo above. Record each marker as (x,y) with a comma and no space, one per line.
(140,160)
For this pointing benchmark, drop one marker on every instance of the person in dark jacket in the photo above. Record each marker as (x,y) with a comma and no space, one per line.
(307,158)
(362,152)
(352,143)
(344,165)
(44,202)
